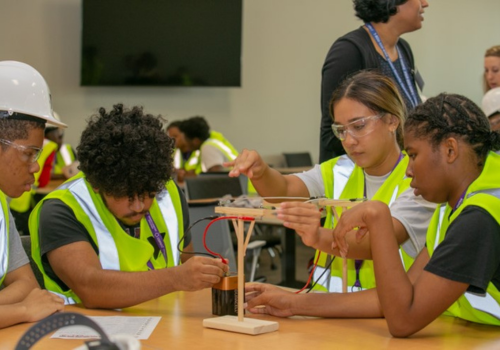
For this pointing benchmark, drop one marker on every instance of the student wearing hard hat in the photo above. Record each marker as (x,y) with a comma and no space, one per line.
(24,110)
(491,107)
(64,164)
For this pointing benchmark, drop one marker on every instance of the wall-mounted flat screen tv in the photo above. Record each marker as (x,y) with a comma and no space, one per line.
(161,42)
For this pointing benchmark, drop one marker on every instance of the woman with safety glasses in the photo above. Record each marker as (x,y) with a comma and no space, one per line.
(449,142)
(368,113)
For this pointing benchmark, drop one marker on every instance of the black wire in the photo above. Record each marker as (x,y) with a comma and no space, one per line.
(188,230)
(326,269)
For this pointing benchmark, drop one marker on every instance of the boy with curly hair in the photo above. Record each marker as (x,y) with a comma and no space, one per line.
(107,237)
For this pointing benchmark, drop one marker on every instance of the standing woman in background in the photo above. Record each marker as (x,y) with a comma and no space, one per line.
(378,45)
(491,77)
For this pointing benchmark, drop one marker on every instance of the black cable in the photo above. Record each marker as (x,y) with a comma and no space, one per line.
(188,230)
(326,269)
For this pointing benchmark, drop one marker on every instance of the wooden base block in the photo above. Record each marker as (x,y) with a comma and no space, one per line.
(248,326)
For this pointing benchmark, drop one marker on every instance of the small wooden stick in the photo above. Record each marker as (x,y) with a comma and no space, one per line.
(344,260)
(249,233)
(241,272)
(256,213)
(344,268)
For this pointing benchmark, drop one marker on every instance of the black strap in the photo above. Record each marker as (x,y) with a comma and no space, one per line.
(20,116)
(61,320)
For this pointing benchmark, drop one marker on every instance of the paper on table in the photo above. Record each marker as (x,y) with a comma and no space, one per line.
(139,327)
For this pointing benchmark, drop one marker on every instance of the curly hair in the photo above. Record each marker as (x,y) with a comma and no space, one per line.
(377,92)
(125,153)
(453,115)
(17,129)
(376,10)
(195,127)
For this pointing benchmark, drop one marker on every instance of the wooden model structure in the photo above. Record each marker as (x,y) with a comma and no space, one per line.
(249,325)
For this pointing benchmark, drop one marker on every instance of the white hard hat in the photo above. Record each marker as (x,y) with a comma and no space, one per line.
(491,102)
(24,93)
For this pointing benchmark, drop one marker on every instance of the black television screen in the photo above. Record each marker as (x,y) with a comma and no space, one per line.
(161,42)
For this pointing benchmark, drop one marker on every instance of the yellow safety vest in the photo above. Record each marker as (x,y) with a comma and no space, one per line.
(343,179)
(23,203)
(117,249)
(193,162)
(484,192)
(224,146)
(64,157)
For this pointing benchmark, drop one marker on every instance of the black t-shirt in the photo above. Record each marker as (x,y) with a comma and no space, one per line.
(470,252)
(59,227)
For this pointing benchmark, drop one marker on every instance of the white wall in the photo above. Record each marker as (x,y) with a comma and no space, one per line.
(284,45)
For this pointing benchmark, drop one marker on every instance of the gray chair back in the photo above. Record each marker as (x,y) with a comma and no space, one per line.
(301,159)
(216,186)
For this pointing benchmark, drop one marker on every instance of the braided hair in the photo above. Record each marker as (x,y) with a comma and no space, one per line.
(453,115)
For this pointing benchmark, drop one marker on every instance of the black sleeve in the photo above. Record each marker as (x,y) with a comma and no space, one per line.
(470,252)
(342,60)
(185,215)
(58,227)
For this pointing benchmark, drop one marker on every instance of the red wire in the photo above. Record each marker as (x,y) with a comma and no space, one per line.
(311,274)
(244,218)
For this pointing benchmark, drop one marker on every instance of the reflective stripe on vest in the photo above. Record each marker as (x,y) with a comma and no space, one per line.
(342,171)
(65,154)
(178,159)
(193,160)
(342,180)
(4,237)
(167,208)
(485,303)
(108,252)
(226,150)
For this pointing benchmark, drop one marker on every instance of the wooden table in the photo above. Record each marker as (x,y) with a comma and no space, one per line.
(293,170)
(51,186)
(181,327)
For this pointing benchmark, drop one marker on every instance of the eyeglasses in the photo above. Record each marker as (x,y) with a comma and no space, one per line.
(30,154)
(358,128)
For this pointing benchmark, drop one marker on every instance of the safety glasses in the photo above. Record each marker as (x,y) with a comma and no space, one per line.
(358,128)
(29,154)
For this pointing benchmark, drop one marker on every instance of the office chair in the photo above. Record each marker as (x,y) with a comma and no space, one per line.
(26,242)
(301,159)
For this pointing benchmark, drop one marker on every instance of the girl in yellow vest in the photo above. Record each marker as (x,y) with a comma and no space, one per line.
(449,141)
(368,113)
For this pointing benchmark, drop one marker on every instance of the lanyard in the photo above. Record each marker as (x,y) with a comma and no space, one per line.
(459,202)
(410,92)
(158,239)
